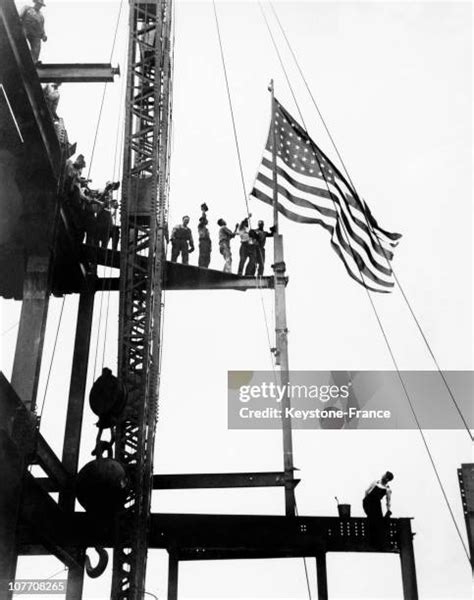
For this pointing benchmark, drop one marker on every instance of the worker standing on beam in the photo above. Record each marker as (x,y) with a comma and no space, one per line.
(32,20)
(225,235)
(261,238)
(205,244)
(182,242)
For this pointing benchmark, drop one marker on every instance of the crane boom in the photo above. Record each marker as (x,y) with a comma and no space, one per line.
(143,233)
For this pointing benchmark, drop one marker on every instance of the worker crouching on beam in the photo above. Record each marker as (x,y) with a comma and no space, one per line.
(372,504)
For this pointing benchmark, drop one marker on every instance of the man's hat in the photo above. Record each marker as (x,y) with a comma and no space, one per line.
(40,2)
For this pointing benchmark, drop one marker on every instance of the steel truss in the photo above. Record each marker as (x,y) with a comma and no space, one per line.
(146,164)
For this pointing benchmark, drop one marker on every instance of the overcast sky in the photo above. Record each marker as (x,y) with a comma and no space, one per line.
(393,81)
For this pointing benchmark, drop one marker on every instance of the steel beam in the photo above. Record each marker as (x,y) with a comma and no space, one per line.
(322,576)
(218,480)
(466,486)
(173,566)
(29,344)
(76,72)
(77,390)
(407,560)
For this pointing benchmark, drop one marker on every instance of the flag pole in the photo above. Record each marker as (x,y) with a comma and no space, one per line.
(281,331)
(274,160)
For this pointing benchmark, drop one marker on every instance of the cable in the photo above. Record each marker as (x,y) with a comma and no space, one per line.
(304,561)
(104,91)
(231,109)
(9,329)
(310,93)
(346,171)
(385,337)
(282,64)
(52,358)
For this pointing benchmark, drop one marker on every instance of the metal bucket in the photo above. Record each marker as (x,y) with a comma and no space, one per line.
(344,510)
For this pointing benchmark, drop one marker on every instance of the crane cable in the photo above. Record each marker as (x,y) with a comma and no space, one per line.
(346,171)
(104,90)
(52,359)
(237,147)
(405,390)
(248,213)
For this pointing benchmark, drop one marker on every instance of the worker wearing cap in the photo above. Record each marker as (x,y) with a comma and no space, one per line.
(182,242)
(32,20)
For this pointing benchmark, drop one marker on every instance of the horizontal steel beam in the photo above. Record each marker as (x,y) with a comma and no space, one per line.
(243,284)
(76,72)
(219,480)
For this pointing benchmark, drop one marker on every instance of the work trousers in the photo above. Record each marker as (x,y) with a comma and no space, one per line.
(247,252)
(224,249)
(260,260)
(204,253)
(180,247)
(35,47)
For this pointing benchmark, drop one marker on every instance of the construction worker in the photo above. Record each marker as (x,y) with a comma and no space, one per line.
(372,504)
(75,198)
(205,244)
(261,238)
(225,235)
(107,400)
(51,95)
(182,242)
(248,249)
(32,21)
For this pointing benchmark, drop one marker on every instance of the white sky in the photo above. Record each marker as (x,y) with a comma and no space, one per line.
(393,81)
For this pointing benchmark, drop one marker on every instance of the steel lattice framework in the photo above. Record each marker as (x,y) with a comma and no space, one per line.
(143,229)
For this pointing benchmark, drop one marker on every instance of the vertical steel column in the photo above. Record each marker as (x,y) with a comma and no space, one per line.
(281,331)
(75,578)
(77,389)
(72,434)
(173,565)
(407,560)
(30,340)
(322,576)
(12,469)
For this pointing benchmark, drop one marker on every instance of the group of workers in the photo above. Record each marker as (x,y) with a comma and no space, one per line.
(91,212)
(252,244)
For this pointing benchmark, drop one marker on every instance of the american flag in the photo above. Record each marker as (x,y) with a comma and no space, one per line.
(312,190)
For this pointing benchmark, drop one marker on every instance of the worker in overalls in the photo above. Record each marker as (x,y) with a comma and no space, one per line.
(372,504)
(182,242)
(32,21)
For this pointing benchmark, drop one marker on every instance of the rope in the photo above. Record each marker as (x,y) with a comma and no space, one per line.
(387,342)
(346,171)
(9,329)
(237,147)
(52,357)
(104,91)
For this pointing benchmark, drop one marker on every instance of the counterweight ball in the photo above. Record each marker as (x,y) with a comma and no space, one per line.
(102,485)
